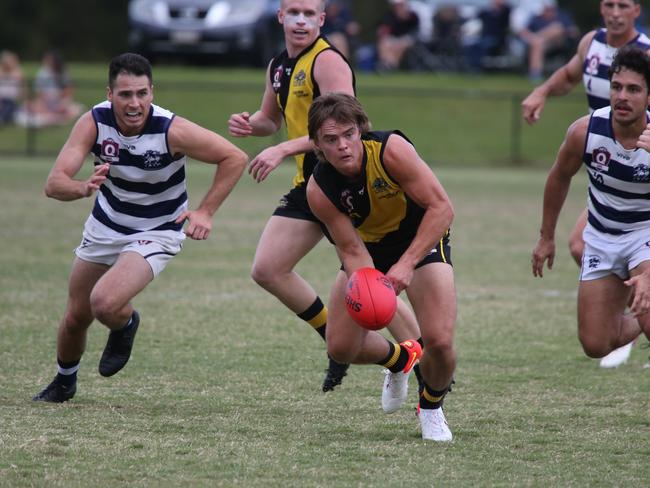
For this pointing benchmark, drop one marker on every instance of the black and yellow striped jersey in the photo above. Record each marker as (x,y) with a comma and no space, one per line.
(292,80)
(378,207)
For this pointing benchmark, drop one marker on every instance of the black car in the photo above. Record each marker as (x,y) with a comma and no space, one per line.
(243,31)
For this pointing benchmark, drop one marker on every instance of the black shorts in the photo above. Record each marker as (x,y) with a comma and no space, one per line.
(294,205)
(384,256)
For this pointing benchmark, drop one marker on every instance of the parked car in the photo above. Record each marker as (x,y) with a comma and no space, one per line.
(245,31)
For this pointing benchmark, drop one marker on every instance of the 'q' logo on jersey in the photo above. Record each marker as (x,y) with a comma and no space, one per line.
(110,150)
(600,159)
(592,65)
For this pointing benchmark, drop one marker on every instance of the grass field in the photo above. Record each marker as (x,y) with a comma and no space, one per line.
(223,388)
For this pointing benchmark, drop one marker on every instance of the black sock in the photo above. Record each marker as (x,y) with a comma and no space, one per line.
(430,398)
(67,372)
(316,316)
(396,359)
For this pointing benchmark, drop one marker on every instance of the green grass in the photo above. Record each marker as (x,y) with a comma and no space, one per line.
(223,388)
(454,120)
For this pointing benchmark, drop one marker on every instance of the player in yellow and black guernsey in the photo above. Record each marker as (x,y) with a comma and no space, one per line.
(384,207)
(308,67)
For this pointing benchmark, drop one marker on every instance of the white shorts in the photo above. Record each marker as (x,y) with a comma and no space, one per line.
(101,244)
(607,254)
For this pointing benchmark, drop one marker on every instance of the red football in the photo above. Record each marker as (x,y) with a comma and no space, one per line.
(370,298)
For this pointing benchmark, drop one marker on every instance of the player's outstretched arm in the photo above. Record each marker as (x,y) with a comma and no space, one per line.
(422,186)
(567,164)
(61,184)
(561,82)
(203,145)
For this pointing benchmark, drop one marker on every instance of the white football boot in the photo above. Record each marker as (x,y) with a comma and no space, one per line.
(434,425)
(617,357)
(395,391)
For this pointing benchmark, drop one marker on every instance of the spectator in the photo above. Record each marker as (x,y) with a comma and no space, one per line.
(340,28)
(493,40)
(446,42)
(53,102)
(551,29)
(11,86)
(396,34)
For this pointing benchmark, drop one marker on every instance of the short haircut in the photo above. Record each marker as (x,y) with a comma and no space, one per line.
(341,107)
(634,59)
(130,64)
(321,4)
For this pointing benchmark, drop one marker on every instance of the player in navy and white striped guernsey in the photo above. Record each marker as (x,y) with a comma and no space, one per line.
(145,189)
(614,144)
(590,65)
(136,225)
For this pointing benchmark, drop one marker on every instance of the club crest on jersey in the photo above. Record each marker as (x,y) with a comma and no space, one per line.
(151,160)
(277,78)
(592,65)
(110,150)
(593,261)
(300,78)
(641,172)
(600,159)
(380,185)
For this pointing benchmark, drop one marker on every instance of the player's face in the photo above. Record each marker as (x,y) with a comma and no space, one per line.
(628,97)
(619,15)
(341,145)
(131,97)
(302,20)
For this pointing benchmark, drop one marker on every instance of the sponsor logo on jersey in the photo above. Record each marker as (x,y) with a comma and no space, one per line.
(277,78)
(600,158)
(592,65)
(110,150)
(380,185)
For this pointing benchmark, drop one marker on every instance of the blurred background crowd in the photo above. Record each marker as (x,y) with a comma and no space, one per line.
(531,37)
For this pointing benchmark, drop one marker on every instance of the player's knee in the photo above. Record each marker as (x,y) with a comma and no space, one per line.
(339,351)
(76,321)
(103,306)
(594,347)
(266,275)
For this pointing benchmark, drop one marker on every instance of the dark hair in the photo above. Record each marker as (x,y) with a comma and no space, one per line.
(129,63)
(341,107)
(634,59)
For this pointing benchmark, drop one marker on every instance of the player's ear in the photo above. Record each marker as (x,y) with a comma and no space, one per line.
(109,94)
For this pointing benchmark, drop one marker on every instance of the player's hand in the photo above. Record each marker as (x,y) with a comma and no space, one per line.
(532,107)
(265,162)
(544,252)
(239,125)
(640,285)
(199,224)
(92,184)
(644,140)
(400,277)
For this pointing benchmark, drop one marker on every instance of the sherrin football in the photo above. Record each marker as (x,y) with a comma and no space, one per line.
(370,298)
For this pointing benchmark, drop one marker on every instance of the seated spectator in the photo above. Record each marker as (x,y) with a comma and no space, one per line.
(396,34)
(551,29)
(493,39)
(447,35)
(11,86)
(53,101)
(340,28)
